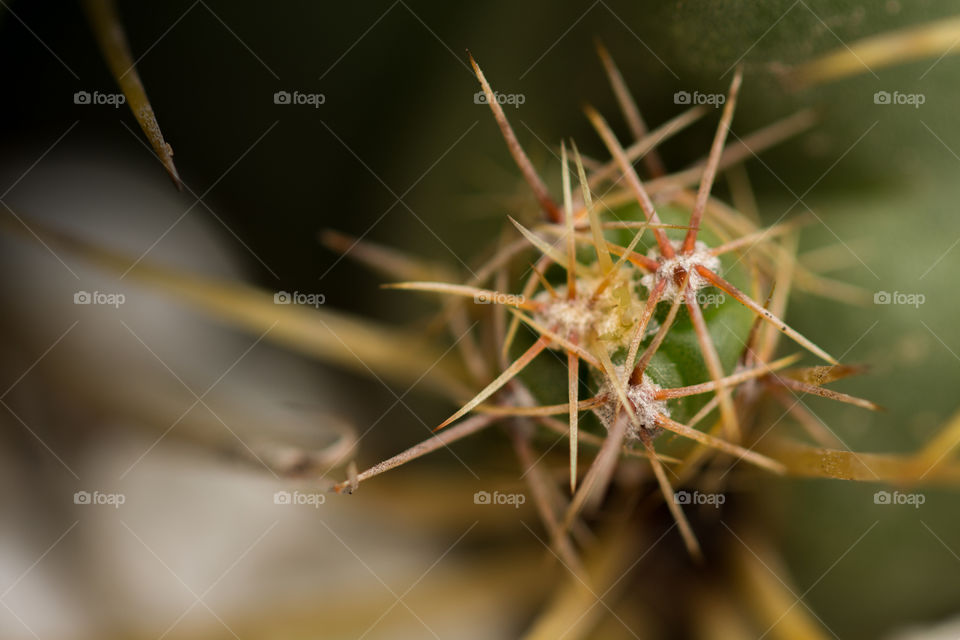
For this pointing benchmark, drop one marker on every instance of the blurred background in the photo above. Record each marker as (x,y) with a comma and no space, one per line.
(184,429)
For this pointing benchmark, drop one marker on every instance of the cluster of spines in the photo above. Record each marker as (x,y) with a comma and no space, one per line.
(632,405)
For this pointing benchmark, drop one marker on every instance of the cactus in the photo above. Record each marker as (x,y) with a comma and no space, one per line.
(637,320)
(652,341)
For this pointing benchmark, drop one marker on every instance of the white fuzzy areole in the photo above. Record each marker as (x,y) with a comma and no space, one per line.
(701,256)
(609,317)
(641,396)
(569,316)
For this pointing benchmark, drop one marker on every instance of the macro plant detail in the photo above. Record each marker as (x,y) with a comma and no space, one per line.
(612,314)
(605,373)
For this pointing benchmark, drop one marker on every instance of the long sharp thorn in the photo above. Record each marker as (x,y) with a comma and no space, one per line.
(748,302)
(811,424)
(648,308)
(573,389)
(499,381)
(943,442)
(624,257)
(650,141)
(601,470)
(741,193)
(434,442)
(593,483)
(721,445)
(647,264)
(759,236)
(742,149)
(735,379)
(631,112)
(384,260)
(519,156)
(713,161)
(637,376)
(569,226)
(750,356)
(710,356)
(613,145)
(500,320)
(686,531)
(607,464)
(541,411)
(540,486)
(112,38)
(822,375)
(543,280)
(561,428)
(935,39)
(705,411)
(528,288)
(545,248)
(603,257)
(785,271)
(804,387)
